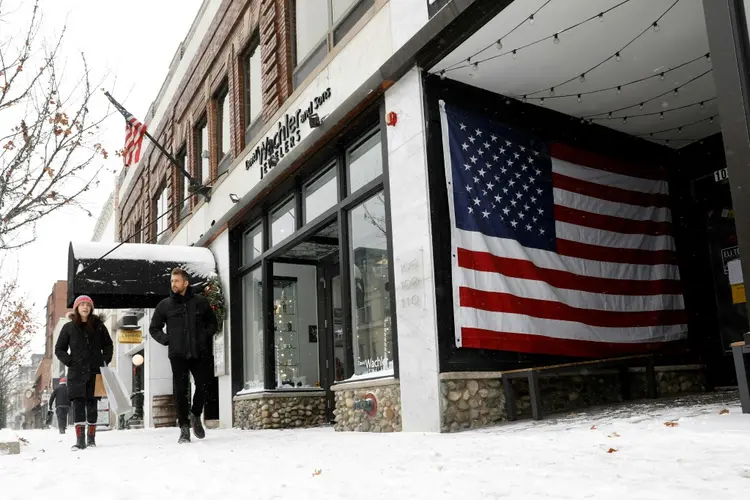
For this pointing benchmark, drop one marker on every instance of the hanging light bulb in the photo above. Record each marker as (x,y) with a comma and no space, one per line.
(499,44)
(475,66)
(442,75)
(661,76)
(711,120)
(701,105)
(661,115)
(640,106)
(708,57)
(677,91)
(656,27)
(531,19)
(667,142)
(525,99)
(552,91)
(580,98)
(601,17)
(624,119)
(583,77)
(514,53)
(679,130)
(609,115)
(541,101)
(556,39)
(619,89)
(618,57)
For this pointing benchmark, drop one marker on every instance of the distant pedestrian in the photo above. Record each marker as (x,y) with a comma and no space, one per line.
(191,324)
(60,396)
(90,347)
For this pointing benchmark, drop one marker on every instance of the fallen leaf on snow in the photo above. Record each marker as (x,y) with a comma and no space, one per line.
(724,412)
(671,423)
(614,435)
(593,427)
(317,472)
(611,450)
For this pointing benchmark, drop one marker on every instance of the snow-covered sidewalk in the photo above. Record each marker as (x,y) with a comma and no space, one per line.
(624,452)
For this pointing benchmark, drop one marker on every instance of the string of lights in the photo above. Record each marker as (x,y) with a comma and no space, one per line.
(617,56)
(470,62)
(679,129)
(619,88)
(700,104)
(499,42)
(675,91)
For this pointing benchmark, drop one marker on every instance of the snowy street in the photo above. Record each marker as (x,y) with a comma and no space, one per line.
(702,453)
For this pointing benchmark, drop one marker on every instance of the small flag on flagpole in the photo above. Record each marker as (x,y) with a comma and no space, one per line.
(134,131)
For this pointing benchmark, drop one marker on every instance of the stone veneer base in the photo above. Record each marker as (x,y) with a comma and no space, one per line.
(280,410)
(387,418)
(472,400)
(10,448)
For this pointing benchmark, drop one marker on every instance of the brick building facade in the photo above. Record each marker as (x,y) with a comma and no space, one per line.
(238,29)
(56,308)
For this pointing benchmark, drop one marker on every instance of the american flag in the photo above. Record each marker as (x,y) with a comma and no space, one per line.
(557,250)
(134,131)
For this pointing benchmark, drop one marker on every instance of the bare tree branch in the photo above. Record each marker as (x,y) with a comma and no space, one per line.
(49,152)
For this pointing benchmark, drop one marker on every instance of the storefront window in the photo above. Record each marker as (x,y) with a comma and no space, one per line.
(371,314)
(253,245)
(365,163)
(282,223)
(321,194)
(253,330)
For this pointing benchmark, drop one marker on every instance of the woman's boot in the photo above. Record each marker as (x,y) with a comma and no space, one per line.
(80,437)
(91,437)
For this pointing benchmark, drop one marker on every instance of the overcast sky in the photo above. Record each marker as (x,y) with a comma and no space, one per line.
(133,42)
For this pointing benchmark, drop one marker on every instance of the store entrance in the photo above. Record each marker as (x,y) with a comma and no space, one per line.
(307,315)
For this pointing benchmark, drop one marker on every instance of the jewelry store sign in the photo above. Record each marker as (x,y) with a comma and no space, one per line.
(288,134)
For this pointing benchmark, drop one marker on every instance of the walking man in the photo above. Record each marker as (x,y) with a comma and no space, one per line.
(60,395)
(191,324)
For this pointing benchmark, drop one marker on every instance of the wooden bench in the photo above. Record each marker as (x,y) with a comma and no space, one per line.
(579,368)
(739,352)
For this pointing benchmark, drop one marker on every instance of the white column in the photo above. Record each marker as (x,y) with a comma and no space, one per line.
(412,251)
(220,249)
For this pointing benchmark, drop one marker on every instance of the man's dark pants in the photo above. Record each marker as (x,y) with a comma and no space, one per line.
(62,416)
(181,370)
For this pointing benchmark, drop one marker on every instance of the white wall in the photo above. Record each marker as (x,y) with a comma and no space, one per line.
(220,249)
(157,372)
(307,314)
(412,251)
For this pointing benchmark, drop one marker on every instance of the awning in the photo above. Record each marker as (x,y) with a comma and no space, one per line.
(135,275)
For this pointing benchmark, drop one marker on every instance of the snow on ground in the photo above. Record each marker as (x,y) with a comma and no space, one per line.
(706,454)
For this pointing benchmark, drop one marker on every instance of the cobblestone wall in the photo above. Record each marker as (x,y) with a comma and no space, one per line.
(387,417)
(473,403)
(276,412)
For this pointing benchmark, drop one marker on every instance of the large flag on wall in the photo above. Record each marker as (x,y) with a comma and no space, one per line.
(556,250)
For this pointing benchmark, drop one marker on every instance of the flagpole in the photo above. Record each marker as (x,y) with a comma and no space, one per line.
(195,186)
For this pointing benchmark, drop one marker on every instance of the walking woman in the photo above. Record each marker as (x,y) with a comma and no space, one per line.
(84,345)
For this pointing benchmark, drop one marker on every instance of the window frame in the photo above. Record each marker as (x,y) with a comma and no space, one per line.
(198,146)
(300,67)
(223,158)
(181,193)
(162,224)
(251,127)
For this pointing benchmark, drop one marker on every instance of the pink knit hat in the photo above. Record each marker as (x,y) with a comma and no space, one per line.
(81,299)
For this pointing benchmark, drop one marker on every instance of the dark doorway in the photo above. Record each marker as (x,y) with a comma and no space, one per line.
(331,328)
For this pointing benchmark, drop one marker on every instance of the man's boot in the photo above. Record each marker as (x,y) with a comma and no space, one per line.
(91,437)
(195,423)
(184,434)
(80,438)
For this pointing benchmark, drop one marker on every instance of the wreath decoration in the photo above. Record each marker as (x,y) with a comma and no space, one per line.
(213,292)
